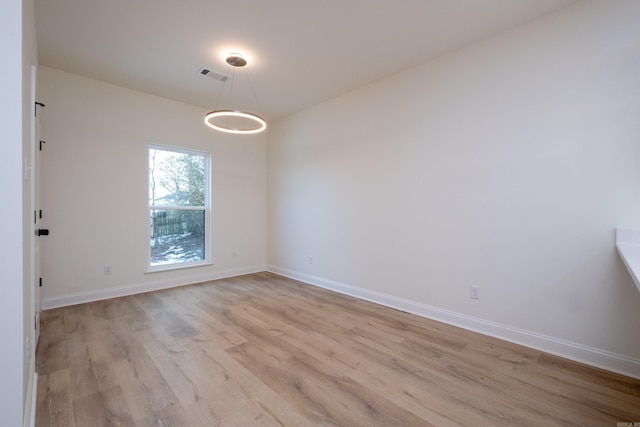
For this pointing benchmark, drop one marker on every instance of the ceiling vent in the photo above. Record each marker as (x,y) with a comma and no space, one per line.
(213,74)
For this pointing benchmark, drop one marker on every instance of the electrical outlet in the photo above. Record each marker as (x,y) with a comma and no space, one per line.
(107,270)
(310,260)
(475,292)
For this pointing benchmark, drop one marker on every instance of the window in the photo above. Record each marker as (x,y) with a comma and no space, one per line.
(179,208)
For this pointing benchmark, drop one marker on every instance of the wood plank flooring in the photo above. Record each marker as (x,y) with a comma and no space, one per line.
(268,351)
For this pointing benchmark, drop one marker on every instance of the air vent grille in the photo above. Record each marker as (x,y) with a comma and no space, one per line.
(213,74)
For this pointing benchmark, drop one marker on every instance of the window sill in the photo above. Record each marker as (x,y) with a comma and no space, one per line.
(628,245)
(171,267)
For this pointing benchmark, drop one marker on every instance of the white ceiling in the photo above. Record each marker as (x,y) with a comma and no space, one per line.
(300,52)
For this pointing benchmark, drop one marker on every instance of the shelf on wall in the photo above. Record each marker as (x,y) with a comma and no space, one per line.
(628,245)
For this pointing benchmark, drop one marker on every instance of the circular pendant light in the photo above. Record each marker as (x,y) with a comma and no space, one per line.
(235,121)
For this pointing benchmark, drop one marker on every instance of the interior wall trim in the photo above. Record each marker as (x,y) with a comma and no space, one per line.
(121,291)
(29,416)
(580,353)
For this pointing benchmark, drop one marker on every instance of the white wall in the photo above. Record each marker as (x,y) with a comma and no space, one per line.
(507,165)
(11,331)
(95,189)
(17,50)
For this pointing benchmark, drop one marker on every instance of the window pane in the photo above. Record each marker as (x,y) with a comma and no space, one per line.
(177,236)
(176,178)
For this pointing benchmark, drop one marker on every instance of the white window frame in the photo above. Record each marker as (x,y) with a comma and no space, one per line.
(207,210)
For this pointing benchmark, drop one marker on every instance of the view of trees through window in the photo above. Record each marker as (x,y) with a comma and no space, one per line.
(178,206)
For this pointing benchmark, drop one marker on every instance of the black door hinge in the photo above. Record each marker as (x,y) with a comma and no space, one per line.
(35,110)
(40,282)
(42,142)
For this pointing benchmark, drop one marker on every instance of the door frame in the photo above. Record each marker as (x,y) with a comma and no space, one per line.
(34,177)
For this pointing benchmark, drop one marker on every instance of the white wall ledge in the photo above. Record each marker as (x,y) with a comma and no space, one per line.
(628,245)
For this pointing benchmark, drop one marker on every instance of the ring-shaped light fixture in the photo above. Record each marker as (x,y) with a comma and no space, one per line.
(234,121)
(210,120)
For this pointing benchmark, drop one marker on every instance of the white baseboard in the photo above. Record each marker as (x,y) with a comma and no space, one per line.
(102,294)
(29,416)
(581,353)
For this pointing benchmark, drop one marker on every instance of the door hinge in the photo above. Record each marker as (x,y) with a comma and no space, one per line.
(42,142)
(35,110)
(40,282)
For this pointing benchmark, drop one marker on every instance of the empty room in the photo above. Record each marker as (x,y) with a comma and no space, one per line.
(340,213)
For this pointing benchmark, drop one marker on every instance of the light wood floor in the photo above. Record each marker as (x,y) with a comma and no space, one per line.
(264,350)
